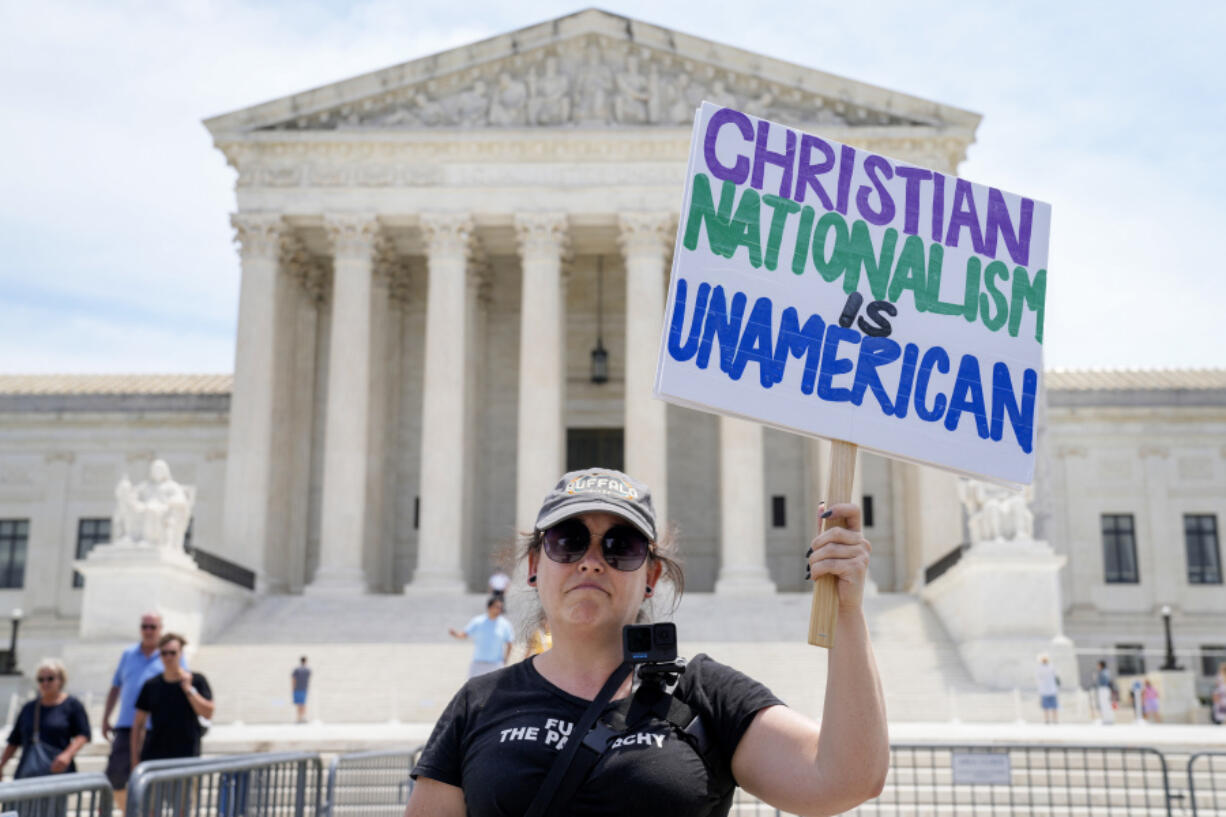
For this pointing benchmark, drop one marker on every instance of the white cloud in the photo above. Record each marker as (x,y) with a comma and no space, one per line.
(115,204)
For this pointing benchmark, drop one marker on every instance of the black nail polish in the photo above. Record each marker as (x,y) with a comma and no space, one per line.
(827,514)
(808,553)
(806,572)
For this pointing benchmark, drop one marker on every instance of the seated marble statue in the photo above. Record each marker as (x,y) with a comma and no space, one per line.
(155,513)
(996,513)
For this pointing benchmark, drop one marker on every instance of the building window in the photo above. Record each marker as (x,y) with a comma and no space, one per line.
(779,512)
(1129,659)
(90,532)
(866,508)
(1212,656)
(14,534)
(1119,549)
(1200,539)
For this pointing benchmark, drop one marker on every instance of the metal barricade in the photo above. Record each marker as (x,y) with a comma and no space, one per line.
(370,784)
(288,784)
(944,780)
(1207,784)
(58,795)
(745,804)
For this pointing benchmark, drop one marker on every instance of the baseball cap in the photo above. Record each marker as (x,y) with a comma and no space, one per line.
(599,489)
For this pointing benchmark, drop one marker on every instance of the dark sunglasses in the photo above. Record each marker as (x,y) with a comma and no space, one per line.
(170,652)
(623,547)
(46,679)
(148,626)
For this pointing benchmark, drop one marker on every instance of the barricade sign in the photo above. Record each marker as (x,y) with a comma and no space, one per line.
(831,291)
(980,768)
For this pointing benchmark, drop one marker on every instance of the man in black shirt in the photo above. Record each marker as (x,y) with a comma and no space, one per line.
(176,700)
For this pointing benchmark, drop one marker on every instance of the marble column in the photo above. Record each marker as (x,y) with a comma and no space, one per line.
(52,542)
(312,279)
(742,495)
(254,403)
(347,426)
(1079,534)
(448,239)
(645,239)
(1159,533)
(932,516)
(898,525)
(377,544)
(540,448)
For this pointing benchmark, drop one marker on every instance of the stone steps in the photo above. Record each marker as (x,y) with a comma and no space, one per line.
(388,658)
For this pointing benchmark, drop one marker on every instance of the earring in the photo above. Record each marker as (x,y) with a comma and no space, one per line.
(532,579)
(648,590)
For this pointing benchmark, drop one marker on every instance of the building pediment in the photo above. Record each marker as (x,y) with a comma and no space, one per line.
(591,69)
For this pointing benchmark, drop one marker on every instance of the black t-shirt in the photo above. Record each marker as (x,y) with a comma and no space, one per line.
(176,731)
(57,725)
(500,734)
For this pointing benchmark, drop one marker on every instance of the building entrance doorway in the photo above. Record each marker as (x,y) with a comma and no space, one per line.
(592,447)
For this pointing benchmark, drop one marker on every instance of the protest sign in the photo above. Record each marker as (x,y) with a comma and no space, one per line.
(834,292)
(831,291)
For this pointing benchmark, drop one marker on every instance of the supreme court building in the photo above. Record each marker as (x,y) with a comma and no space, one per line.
(453,283)
(430,254)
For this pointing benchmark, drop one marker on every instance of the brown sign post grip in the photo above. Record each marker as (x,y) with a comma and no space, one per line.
(824,613)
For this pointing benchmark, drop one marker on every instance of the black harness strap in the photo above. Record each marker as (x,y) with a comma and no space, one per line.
(545,795)
(649,699)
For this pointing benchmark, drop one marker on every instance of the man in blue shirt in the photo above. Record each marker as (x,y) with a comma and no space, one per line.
(492,636)
(138,664)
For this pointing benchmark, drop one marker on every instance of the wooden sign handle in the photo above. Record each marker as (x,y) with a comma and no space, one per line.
(824,613)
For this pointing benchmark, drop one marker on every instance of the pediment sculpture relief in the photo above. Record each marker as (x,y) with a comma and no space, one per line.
(590,82)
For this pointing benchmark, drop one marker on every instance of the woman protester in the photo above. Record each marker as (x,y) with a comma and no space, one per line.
(596,560)
(50,729)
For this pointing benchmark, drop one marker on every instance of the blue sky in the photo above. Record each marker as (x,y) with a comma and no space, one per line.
(115,247)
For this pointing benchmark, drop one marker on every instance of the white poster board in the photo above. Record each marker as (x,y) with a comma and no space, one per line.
(834,292)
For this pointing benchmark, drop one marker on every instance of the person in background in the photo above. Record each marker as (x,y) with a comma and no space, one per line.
(492,636)
(1102,684)
(499,582)
(1049,689)
(176,700)
(50,729)
(1219,695)
(138,664)
(300,679)
(1149,703)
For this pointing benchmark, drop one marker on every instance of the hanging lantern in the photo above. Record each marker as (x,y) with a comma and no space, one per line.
(600,355)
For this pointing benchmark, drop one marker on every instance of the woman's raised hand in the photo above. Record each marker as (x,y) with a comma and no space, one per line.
(841,551)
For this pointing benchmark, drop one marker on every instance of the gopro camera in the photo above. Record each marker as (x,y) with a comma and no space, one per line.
(649,643)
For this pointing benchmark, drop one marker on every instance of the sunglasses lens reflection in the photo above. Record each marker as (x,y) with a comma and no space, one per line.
(567,541)
(622,546)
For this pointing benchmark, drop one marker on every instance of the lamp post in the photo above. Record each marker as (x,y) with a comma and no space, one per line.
(600,355)
(10,667)
(1169,662)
